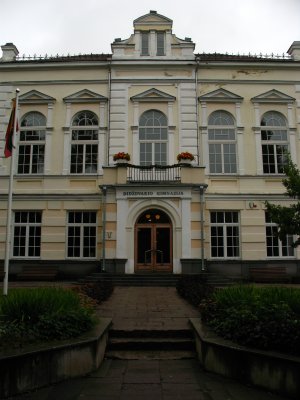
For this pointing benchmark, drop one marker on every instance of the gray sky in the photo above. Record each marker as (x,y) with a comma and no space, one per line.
(90,26)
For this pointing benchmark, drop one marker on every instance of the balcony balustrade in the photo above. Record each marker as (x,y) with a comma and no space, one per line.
(154,173)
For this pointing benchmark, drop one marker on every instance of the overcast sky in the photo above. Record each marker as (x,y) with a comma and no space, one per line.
(90,26)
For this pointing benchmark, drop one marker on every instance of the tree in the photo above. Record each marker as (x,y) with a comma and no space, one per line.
(288,218)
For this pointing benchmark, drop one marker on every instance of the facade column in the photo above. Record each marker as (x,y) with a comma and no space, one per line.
(257,132)
(186,228)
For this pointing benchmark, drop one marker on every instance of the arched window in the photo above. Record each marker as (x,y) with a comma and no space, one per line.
(32,144)
(222,143)
(153,138)
(274,142)
(84,144)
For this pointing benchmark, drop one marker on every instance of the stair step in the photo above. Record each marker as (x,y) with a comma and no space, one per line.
(151,344)
(150,354)
(145,333)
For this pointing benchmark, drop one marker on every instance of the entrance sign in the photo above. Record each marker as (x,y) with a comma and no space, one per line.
(153,193)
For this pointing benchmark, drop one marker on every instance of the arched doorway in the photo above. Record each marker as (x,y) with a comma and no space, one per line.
(153,242)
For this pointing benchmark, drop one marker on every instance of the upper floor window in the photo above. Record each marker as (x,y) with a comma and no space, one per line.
(275,246)
(153,137)
(222,143)
(145,44)
(274,141)
(84,144)
(160,44)
(32,144)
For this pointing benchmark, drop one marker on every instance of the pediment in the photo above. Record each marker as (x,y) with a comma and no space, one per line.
(35,97)
(152,18)
(222,96)
(273,96)
(85,96)
(153,95)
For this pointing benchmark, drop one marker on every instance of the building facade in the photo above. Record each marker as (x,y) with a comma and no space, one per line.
(77,207)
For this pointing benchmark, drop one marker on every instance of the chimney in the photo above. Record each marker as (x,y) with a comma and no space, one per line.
(294,51)
(9,52)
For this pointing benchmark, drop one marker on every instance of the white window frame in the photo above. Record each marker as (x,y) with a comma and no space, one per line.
(223,225)
(88,130)
(274,144)
(81,227)
(153,142)
(30,233)
(276,243)
(221,143)
(37,140)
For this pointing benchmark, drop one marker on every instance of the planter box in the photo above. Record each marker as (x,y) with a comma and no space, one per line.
(273,371)
(39,366)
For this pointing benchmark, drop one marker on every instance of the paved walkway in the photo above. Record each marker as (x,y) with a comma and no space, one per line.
(153,308)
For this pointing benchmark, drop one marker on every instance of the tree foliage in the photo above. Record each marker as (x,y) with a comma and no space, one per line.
(288,218)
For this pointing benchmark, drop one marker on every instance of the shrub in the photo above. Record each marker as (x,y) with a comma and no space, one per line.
(266,318)
(43,313)
(98,291)
(193,288)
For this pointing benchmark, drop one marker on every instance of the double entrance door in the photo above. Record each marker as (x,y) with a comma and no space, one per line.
(153,242)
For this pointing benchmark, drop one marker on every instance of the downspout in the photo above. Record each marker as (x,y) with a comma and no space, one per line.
(104,192)
(202,191)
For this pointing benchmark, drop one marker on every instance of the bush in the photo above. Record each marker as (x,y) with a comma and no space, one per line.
(194,288)
(266,318)
(42,313)
(98,291)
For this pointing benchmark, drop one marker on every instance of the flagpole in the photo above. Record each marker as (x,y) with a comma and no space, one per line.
(9,205)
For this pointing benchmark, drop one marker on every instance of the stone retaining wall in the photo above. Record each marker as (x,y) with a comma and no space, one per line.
(37,367)
(273,371)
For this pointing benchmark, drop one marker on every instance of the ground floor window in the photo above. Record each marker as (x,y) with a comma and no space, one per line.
(27,234)
(275,246)
(82,226)
(224,232)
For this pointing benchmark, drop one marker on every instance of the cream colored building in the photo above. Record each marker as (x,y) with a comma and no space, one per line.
(153,98)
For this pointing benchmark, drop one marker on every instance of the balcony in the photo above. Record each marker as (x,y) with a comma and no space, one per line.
(154,173)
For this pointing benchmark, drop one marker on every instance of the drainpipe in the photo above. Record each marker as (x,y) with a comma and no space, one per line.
(104,192)
(202,191)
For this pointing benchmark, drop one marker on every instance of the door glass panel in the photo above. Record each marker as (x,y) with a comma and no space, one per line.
(144,246)
(163,245)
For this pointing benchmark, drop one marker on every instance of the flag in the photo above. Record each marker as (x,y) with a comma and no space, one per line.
(10,131)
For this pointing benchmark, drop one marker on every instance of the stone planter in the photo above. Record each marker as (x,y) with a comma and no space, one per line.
(185,162)
(121,161)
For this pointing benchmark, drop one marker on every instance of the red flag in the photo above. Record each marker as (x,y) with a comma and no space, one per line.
(10,131)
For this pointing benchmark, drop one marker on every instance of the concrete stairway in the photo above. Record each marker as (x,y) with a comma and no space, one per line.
(151,344)
(152,279)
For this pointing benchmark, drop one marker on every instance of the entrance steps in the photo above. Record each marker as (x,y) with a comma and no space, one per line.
(151,344)
(152,279)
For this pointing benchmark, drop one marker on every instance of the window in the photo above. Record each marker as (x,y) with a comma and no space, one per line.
(27,234)
(222,143)
(153,136)
(84,145)
(224,234)
(274,142)
(145,44)
(32,144)
(275,246)
(82,234)
(160,44)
